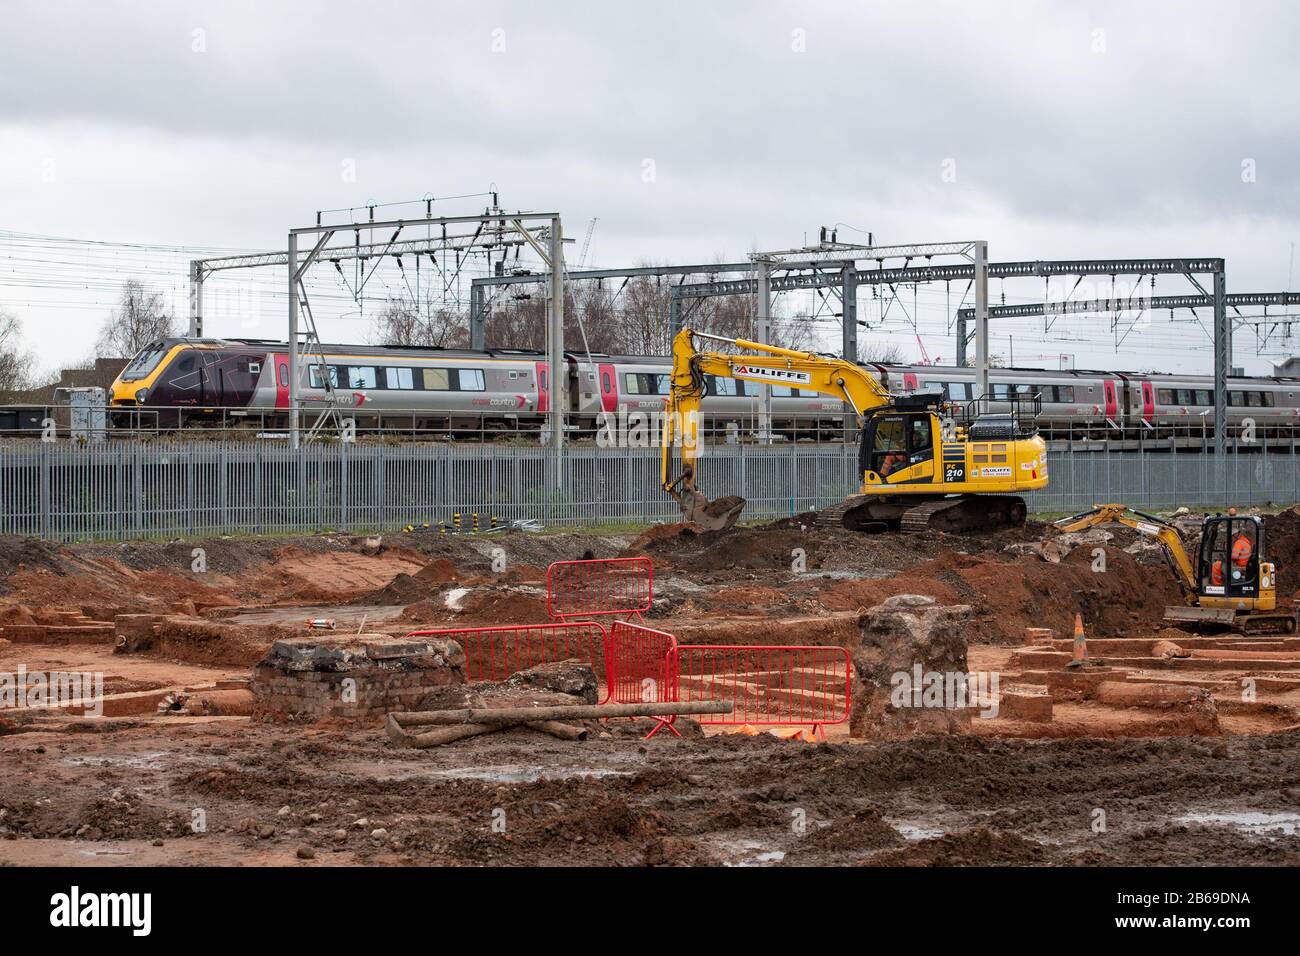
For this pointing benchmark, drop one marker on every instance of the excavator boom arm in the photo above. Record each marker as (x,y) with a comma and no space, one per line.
(1145,524)
(771,365)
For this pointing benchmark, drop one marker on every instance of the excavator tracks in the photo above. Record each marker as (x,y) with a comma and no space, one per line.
(965,513)
(952,513)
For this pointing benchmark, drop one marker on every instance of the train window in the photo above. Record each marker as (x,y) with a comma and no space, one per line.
(722,386)
(1166,396)
(1267,399)
(1184,396)
(1203,397)
(471,380)
(959,391)
(1236,399)
(317,379)
(284,375)
(144,363)
(782,391)
(632,383)
(606,382)
(362,376)
(1001,391)
(1253,399)
(436,380)
(1065,393)
(399,377)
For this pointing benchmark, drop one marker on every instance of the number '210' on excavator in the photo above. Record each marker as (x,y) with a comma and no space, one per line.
(925,463)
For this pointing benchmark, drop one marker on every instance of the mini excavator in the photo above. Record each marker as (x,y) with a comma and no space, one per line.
(923,465)
(1232,585)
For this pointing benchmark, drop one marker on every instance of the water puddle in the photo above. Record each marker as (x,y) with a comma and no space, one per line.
(521,774)
(916,831)
(150,760)
(1248,821)
(751,853)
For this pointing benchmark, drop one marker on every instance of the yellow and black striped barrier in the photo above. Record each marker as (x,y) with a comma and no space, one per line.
(477,524)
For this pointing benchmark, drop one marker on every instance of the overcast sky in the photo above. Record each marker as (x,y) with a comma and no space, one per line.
(1073,129)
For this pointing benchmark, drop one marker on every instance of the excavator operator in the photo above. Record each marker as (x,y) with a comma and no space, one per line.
(1242,551)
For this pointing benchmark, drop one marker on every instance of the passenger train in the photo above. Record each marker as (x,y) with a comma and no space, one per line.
(193,381)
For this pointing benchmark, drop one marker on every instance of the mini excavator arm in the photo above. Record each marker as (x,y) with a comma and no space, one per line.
(1145,524)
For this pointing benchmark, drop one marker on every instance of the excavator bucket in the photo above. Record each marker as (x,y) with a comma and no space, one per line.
(716,515)
(1224,616)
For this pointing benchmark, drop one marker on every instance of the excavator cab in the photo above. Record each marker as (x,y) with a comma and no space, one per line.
(1232,550)
(894,444)
(898,439)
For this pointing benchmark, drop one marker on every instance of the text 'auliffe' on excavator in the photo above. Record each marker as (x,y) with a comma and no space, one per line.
(924,463)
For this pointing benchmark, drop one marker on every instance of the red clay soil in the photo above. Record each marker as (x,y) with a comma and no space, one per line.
(1283,549)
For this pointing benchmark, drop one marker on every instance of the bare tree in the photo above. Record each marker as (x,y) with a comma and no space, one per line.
(141,318)
(886,353)
(16,363)
(406,320)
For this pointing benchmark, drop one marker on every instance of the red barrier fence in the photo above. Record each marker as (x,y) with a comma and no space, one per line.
(638,666)
(494,653)
(774,686)
(606,586)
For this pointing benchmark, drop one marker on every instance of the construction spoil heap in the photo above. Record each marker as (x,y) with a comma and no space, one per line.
(672,696)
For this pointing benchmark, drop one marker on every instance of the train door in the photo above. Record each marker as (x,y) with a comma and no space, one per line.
(608,389)
(543,388)
(281,363)
(1109,389)
(1148,402)
(909,381)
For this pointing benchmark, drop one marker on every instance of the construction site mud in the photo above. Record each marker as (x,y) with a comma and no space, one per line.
(1163,746)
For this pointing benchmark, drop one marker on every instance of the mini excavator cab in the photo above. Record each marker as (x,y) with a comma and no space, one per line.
(1231,555)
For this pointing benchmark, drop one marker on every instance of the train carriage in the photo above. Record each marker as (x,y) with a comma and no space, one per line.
(207,381)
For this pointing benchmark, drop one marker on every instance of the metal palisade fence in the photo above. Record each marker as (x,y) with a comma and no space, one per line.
(110,491)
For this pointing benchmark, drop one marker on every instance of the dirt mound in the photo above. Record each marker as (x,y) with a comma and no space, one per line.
(18,554)
(862,830)
(739,599)
(1009,594)
(439,571)
(16,614)
(1283,543)
(403,589)
(978,846)
(205,642)
(751,548)
(488,605)
(481,606)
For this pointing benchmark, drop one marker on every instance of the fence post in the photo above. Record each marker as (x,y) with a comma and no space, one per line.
(380,484)
(344,486)
(137,488)
(794,480)
(1173,478)
(46,518)
(223,485)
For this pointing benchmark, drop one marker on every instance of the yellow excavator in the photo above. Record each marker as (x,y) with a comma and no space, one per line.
(921,468)
(1232,585)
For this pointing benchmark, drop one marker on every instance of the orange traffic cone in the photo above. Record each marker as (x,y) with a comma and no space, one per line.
(1080,643)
